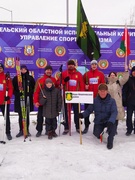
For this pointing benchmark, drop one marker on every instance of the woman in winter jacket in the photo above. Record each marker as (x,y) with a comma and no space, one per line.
(115,90)
(51,100)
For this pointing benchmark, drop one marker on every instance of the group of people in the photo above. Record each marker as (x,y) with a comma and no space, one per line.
(47,95)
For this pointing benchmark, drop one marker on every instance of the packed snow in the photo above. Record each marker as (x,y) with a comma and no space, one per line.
(64,158)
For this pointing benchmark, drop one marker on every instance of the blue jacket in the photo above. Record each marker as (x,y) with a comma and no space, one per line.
(105,110)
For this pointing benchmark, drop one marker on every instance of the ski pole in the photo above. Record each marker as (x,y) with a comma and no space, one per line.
(41,90)
(80,126)
(28,106)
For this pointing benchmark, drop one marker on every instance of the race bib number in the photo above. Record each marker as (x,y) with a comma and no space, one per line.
(93,81)
(72,82)
(1,87)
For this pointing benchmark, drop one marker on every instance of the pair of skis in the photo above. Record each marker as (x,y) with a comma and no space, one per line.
(24,111)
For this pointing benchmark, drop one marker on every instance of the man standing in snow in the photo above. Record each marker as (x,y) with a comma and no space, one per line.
(38,88)
(5,85)
(72,80)
(92,79)
(28,83)
(105,110)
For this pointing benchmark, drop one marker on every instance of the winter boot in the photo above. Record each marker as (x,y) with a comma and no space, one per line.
(85,130)
(38,134)
(66,131)
(109,145)
(19,134)
(50,135)
(9,137)
(54,134)
(116,127)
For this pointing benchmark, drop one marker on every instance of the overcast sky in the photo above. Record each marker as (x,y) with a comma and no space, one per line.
(105,12)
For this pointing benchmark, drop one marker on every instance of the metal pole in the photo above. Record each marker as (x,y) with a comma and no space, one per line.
(67,13)
(8,11)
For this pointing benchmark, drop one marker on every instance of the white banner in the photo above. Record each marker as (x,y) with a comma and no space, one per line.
(79,97)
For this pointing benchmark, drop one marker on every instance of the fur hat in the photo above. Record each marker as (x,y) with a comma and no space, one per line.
(133,69)
(48,80)
(48,67)
(103,86)
(2,66)
(71,62)
(94,62)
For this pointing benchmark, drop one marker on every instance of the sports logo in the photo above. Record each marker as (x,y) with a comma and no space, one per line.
(103,64)
(9,62)
(29,50)
(41,62)
(60,51)
(120,53)
(84,30)
(68,96)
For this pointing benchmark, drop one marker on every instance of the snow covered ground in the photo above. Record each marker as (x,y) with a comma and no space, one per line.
(64,158)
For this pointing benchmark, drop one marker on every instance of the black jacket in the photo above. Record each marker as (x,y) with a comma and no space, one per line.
(128,91)
(27,80)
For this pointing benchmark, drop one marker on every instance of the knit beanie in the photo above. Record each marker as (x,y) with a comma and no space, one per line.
(48,80)
(2,66)
(48,67)
(94,62)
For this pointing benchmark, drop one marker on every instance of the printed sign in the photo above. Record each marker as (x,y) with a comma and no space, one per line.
(79,97)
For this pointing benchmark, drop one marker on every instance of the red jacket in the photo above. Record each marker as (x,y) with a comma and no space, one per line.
(3,85)
(40,83)
(76,80)
(93,79)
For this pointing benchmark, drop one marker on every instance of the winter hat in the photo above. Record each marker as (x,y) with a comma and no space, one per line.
(133,69)
(48,80)
(48,67)
(23,66)
(102,87)
(71,62)
(93,62)
(2,66)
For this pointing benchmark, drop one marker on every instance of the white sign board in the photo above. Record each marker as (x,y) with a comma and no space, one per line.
(79,97)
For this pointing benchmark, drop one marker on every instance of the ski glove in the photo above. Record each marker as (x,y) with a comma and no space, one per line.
(109,126)
(66,79)
(7,98)
(80,115)
(20,93)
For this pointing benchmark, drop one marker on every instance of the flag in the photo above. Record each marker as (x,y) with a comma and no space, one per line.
(87,39)
(125,42)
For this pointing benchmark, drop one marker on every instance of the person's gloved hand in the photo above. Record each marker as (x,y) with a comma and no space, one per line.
(109,126)
(80,115)
(67,79)
(20,94)
(7,98)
